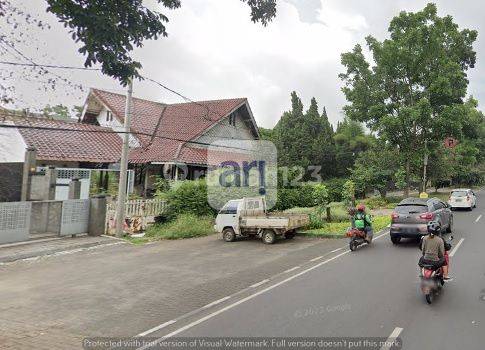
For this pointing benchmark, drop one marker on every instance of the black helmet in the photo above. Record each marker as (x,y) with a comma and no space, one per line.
(434,227)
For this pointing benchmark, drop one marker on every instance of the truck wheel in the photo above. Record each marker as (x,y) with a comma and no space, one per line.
(228,234)
(290,234)
(268,237)
(395,239)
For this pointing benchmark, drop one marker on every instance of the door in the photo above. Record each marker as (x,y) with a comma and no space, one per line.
(75,216)
(228,216)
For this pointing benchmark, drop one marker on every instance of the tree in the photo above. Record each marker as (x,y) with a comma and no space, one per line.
(304,139)
(58,112)
(412,95)
(350,140)
(374,169)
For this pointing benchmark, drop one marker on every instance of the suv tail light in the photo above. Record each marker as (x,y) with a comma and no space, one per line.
(427,216)
(467,198)
(394,216)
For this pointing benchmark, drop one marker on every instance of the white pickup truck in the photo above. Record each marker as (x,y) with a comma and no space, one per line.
(248,216)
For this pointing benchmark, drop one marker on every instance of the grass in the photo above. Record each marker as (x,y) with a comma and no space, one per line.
(184,226)
(340,228)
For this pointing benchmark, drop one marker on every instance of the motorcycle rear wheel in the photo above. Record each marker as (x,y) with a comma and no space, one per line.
(429,298)
(353,245)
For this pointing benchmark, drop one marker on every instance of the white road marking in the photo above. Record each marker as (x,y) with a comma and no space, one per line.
(157,328)
(258,284)
(395,333)
(336,250)
(216,302)
(479,217)
(317,258)
(453,251)
(239,302)
(292,269)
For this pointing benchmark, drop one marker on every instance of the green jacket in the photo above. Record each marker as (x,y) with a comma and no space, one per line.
(362,220)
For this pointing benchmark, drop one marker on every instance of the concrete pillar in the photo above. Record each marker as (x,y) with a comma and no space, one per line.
(51,179)
(97,215)
(30,162)
(74,189)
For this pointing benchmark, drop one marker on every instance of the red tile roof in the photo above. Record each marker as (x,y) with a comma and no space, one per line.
(85,143)
(180,122)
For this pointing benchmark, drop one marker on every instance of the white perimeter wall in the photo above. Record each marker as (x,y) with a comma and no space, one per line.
(12,145)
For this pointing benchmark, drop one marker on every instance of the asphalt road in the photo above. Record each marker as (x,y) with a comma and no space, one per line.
(372,292)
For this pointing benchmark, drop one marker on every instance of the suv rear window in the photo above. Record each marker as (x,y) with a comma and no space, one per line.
(458,193)
(411,209)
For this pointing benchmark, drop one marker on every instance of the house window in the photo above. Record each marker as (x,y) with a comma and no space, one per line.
(109,116)
(232,119)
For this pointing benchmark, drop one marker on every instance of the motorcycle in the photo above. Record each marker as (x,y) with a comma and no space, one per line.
(357,238)
(432,277)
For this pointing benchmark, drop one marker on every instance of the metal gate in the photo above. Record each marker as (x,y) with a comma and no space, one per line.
(14,221)
(75,216)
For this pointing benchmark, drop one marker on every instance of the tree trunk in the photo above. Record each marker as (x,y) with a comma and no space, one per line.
(408,178)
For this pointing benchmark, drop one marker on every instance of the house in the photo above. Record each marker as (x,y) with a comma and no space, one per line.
(169,140)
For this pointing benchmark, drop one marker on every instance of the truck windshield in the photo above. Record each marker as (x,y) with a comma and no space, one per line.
(230,208)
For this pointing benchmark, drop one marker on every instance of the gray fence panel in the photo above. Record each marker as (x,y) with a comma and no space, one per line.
(75,216)
(14,221)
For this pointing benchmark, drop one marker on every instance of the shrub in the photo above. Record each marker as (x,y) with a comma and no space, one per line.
(348,192)
(334,187)
(295,197)
(376,202)
(184,226)
(320,196)
(189,197)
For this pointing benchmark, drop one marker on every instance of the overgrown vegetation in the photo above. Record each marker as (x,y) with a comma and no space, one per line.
(183,226)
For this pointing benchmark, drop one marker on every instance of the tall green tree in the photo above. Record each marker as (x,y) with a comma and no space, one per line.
(411,95)
(350,140)
(304,139)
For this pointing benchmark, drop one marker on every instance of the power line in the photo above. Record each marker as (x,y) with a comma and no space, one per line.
(47,66)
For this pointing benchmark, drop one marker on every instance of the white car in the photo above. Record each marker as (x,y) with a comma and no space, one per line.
(462,198)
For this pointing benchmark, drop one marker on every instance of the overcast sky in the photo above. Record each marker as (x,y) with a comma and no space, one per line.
(214,51)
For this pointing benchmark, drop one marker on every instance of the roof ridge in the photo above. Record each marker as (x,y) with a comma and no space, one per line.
(124,96)
(172,104)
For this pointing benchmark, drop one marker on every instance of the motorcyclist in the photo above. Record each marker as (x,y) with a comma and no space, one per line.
(433,248)
(363,221)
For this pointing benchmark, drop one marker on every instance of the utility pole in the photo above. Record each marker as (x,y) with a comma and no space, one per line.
(120,206)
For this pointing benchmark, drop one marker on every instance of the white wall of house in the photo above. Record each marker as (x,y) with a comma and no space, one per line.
(115,124)
(12,145)
(224,130)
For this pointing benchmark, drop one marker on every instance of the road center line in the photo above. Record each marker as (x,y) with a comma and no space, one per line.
(317,258)
(479,217)
(239,302)
(216,302)
(292,269)
(336,250)
(395,333)
(453,251)
(259,283)
(157,328)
